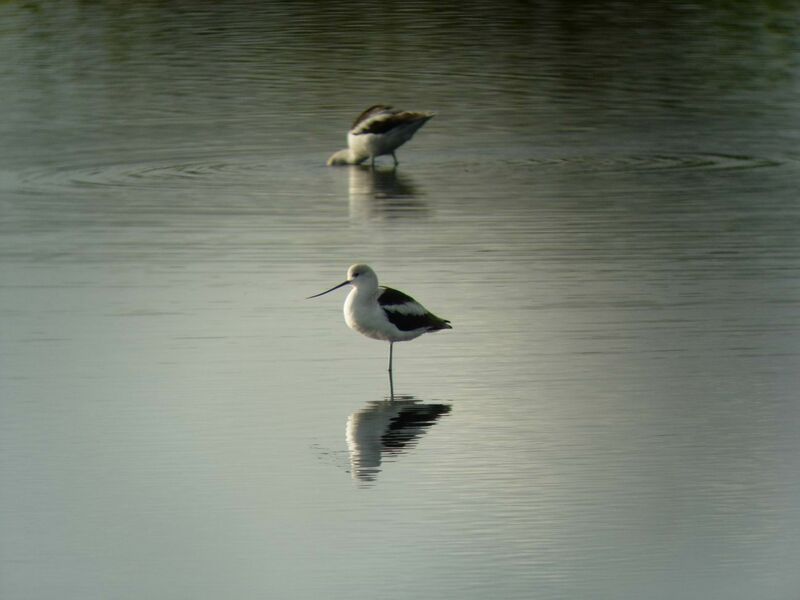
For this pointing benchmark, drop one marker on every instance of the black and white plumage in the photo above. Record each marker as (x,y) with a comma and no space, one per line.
(408,315)
(383,313)
(377,131)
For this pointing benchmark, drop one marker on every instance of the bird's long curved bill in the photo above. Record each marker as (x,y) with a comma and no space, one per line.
(336,287)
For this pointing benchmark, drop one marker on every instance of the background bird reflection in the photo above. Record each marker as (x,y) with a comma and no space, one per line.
(386,429)
(382,193)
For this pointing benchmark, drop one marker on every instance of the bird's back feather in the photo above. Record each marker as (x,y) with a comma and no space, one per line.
(380,119)
(407,314)
(372,111)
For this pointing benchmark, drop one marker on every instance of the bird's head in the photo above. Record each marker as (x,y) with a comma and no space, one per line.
(361,275)
(358,275)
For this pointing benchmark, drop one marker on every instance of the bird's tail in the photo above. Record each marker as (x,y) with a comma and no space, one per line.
(440,324)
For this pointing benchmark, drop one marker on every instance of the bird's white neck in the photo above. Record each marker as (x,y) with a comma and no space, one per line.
(346,157)
(364,293)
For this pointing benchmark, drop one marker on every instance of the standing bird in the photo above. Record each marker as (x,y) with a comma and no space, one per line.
(377,131)
(382,313)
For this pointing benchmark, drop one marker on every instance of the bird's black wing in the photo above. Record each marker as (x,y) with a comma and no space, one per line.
(392,297)
(407,314)
(383,122)
(377,109)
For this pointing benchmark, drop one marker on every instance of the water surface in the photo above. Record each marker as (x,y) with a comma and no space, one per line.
(605,206)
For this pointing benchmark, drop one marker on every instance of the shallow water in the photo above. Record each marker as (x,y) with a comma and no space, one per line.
(605,206)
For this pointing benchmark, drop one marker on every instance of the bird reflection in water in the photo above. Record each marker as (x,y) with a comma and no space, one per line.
(383,194)
(387,429)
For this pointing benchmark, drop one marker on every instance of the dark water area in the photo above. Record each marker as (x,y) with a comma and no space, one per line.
(605,206)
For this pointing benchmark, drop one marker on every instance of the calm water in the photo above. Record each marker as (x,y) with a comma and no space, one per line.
(605,206)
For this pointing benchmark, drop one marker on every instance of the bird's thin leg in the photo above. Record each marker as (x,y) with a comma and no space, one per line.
(391,379)
(396,162)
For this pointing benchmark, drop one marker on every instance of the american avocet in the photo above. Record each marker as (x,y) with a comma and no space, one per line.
(377,131)
(382,313)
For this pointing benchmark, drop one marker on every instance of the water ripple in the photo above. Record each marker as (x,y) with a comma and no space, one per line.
(223,171)
(164,174)
(656,162)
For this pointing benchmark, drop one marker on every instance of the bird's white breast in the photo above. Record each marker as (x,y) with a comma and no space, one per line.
(363,314)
